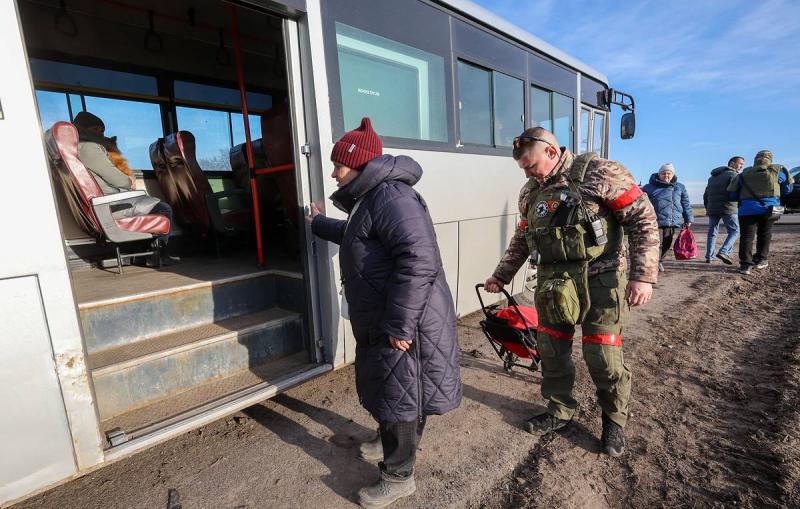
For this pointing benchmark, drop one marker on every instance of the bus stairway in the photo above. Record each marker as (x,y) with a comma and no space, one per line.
(154,356)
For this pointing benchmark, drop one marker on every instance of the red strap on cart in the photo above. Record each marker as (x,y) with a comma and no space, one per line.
(510,315)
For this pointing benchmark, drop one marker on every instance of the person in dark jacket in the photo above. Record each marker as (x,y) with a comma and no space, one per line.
(758,189)
(399,304)
(719,207)
(671,201)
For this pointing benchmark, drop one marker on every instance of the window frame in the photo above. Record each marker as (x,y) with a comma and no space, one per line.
(551,94)
(606,124)
(165,98)
(493,147)
(334,76)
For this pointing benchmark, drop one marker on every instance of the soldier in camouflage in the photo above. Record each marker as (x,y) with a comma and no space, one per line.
(576,213)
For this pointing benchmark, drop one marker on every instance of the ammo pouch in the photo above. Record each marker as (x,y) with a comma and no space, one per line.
(558,244)
(557,299)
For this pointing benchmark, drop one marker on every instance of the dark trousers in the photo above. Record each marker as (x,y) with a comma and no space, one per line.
(667,233)
(760,228)
(400,441)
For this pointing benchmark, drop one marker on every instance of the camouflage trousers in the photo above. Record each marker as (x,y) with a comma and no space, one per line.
(602,352)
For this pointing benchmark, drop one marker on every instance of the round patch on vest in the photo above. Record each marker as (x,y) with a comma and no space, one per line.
(541,209)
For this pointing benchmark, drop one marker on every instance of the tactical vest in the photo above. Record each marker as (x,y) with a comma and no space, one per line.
(763,181)
(567,237)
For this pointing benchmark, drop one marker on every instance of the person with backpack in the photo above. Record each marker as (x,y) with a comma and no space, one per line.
(671,202)
(758,190)
(579,214)
(719,207)
(398,302)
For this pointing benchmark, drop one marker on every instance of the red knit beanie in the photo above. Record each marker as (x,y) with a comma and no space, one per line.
(357,147)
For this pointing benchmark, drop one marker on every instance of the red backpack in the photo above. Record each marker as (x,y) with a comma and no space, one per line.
(685,245)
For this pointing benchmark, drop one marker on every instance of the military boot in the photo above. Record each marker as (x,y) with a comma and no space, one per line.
(613,438)
(544,424)
(372,450)
(388,490)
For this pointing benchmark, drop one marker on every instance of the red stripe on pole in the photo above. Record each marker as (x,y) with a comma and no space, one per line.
(237,53)
(603,339)
(555,334)
(626,198)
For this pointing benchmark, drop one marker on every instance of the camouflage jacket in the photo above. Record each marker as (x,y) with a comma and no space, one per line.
(607,188)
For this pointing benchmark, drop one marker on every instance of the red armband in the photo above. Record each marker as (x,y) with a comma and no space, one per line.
(522,225)
(625,199)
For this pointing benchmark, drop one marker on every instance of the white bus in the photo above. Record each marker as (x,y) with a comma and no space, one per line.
(228,110)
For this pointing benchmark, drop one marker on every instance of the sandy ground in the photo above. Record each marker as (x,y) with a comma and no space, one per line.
(714,422)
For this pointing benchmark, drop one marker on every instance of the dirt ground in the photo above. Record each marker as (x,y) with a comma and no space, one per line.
(714,422)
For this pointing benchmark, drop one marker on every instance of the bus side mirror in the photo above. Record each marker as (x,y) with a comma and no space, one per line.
(627,125)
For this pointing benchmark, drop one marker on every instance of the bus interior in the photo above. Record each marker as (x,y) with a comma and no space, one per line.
(195,96)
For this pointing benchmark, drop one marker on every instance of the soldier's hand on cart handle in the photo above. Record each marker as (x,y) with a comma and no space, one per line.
(638,293)
(493,285)
(399,344)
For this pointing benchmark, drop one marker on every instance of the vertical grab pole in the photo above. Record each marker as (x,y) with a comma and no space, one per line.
(248,142)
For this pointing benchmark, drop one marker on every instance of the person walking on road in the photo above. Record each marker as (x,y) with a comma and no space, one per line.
(671,202)
(398,301)
(719,207)
(758,190)
(574,210)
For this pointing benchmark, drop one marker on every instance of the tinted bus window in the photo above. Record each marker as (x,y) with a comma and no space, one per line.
(563,118)
(509,108)
(48,71)
(401,88)
(212,134)
(541,111)
(188,91)
(583,145)
(599,132)
(237,126)
(135,124)
(475,104)
(53,108)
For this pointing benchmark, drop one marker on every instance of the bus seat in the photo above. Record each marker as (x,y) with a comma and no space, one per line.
(188,191)
(96,208)
(184,184)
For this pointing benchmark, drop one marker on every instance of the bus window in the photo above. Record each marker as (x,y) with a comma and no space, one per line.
(401,88)
(212,133)
(509,109)
(542,112)
(53,107)
(563,115)
(475,104)
(72,75)
(599,132)
(583,145)
(555,112)
(237,127)
(136,125)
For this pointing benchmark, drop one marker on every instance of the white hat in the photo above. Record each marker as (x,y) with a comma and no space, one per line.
(667,167)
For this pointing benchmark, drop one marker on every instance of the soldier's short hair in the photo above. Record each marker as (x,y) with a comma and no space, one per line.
(529,137)
(733,159)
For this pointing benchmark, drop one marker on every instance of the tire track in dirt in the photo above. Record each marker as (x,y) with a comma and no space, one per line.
(714,420)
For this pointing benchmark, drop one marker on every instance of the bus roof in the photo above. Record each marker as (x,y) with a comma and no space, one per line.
(488,18)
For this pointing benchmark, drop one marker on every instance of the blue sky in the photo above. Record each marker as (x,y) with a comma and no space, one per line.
(711,79)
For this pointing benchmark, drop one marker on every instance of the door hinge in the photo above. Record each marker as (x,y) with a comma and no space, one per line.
(306,150)
(116,437)
(320,342)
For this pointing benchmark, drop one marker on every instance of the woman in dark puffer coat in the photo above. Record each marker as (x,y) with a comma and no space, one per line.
(399,304)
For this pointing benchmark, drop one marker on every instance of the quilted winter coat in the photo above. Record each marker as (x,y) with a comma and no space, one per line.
(395,285)
(670,200)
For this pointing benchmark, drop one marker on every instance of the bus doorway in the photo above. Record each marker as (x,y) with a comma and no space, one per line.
(196,101)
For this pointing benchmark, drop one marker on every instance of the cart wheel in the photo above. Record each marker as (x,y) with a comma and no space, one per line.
(508,363)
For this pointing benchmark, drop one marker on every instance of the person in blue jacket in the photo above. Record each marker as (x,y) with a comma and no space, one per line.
(758,189)
(671,201)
